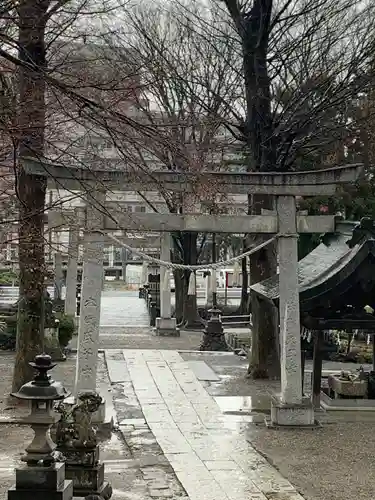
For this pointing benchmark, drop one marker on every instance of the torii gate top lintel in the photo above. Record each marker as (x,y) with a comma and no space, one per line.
(309,183)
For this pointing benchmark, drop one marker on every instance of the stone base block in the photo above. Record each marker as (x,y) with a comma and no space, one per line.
(105,492)
(49,478)
(292,415)
(211,342)
(166,327)
(86,477)
(213,337)
(193,325)
(347,388)
(80,457)
(64,492)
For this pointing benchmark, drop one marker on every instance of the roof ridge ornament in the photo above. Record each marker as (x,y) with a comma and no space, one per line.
(362,232)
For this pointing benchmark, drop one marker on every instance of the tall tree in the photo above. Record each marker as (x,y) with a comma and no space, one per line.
(300,66)
(38,23)
(31,189)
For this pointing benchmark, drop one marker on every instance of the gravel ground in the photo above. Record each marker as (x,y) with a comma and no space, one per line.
(334,462)
(143,338)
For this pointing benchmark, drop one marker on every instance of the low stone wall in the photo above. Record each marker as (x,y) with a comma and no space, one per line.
(237,340)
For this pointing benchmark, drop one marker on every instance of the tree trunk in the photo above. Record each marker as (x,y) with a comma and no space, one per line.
(190,309)
(262,157)
(31,190)
(244,304)
(259,125)
(186,310)
(265,361)
(179,283)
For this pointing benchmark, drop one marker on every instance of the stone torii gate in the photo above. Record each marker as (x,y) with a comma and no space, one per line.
(287,409)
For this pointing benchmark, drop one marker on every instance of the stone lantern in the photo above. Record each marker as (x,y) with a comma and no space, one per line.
(41,477)
(213,333)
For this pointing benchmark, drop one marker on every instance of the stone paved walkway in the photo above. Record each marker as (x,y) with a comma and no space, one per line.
(123,309)
(211,462)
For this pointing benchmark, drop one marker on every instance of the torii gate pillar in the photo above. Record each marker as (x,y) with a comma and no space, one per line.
(165,325)
(289,408)
(71,272)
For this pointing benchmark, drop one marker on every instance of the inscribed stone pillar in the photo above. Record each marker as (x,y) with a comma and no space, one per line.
(289,409)
(71,272)
(92,281)
(165,325)
(59,276)
(291,384)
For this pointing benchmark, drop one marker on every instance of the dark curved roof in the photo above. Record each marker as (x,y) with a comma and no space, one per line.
(327,267)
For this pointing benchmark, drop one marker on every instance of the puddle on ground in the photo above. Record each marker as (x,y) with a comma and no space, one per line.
(141,441)
(139,432)
(114,448)
(127,494)
(243,405)
(237,423)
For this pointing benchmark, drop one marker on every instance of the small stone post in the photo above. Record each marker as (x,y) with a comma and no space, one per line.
(92,278)
(124,258)
(289,409)
(71,273)
(59,277)
(111,257)
(209,289)
(166,325)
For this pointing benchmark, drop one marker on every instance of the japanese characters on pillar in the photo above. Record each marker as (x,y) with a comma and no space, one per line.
(92,278)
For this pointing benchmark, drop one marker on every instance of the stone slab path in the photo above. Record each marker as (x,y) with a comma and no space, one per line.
(120,309)
(211,461)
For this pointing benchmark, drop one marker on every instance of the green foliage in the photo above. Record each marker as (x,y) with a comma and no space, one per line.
(7,277)
(67,329)
(11,324)
(354,202)
(8,332)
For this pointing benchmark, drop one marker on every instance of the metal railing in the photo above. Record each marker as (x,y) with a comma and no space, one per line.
(241,321)
(11,293)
